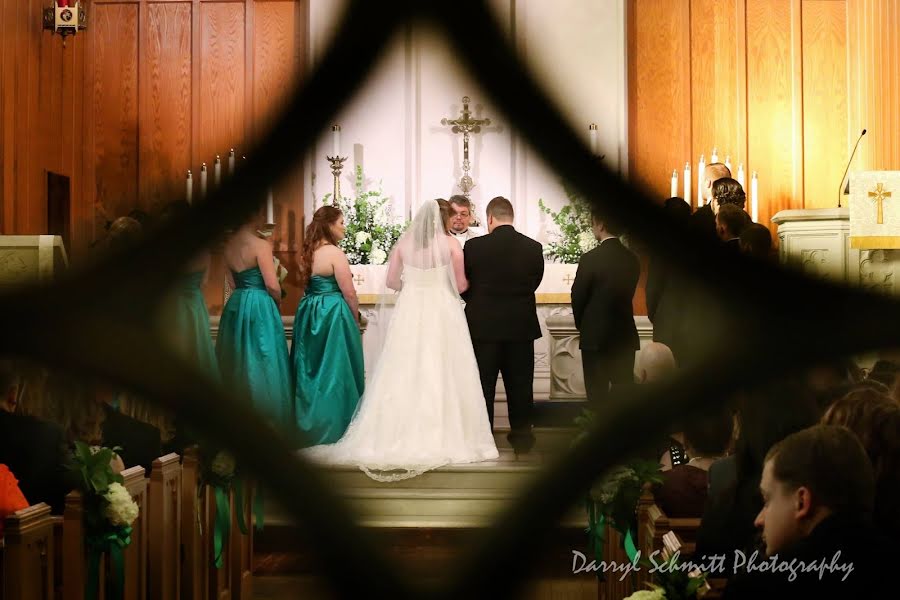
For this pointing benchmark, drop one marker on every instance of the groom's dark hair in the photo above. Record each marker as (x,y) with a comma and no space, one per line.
(501,209)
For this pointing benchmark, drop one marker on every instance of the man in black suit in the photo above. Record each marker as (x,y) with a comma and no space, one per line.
(504,268)
(601,303)
(703,221)
(33,450)
(730,223)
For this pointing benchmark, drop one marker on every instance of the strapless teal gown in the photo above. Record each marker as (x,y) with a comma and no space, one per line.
(252,349)
(327,355)
(190,323)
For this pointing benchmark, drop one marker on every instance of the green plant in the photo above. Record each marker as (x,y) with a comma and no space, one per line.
(671,581)
(575,236)
(372,229)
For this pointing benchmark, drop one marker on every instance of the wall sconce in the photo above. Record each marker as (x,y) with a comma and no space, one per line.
(64,19)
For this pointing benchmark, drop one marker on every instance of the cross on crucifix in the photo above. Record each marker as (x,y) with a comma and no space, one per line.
(879,195)
(568,279)
(358,279)
(466,125)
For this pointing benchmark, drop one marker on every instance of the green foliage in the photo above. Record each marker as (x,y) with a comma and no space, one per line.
(95,476)
(371,227)
(575,235)
(676,582)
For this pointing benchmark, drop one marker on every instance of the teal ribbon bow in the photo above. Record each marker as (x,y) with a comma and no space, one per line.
(113,542)
(222,526)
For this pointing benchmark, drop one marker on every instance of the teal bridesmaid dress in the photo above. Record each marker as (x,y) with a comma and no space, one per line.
(191,323)
(327,355)
(252,349)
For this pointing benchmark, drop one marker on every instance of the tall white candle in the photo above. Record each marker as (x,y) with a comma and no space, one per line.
(231,163)
(754,198)
(728,162)
(740,174)
(189,191)
(270,209)
(336,139)
(203,181)
(688,182)
(673,188)
(595,140)
(714,157)
(217,171)
(701,169)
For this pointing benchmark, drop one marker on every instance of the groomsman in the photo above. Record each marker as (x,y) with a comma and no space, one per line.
(601,302)
(504,269)
(460,221)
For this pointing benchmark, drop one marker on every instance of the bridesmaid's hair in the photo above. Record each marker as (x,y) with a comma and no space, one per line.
(318,230)
(446,213)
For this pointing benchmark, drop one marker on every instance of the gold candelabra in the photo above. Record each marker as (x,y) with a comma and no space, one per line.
(337,165)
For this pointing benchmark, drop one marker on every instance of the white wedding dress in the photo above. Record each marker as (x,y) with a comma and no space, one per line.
(423,406)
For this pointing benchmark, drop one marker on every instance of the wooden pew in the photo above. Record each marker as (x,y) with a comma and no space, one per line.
(136,554)
(242,547)
(221,581)
(27,565)
(165,537)
(194,564)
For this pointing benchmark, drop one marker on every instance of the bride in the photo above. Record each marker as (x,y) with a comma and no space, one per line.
(423,407)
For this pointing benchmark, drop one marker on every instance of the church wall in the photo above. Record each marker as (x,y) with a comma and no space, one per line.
(782,86)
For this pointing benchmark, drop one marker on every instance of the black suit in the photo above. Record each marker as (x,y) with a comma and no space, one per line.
(140,442)
(504,268)
(703,222)
(35,452)
(667,302)
(604,286)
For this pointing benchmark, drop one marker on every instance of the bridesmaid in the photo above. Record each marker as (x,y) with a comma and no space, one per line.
(252,349)
(327,351)
(187,319)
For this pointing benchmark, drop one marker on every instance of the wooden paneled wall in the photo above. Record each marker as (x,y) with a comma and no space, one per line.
(782,86)
(151,89)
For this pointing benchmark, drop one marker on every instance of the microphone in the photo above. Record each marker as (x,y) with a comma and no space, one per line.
(852,154)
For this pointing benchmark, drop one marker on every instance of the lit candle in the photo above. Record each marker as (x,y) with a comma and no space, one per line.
(740,175)
(203,181)
(673,189)
(687,183)
(754,198)
(336,134)
(217,171)
(270,209)
(189,192)
(595,141)
(728,162)
(231,162)
(714,157)
(701,169)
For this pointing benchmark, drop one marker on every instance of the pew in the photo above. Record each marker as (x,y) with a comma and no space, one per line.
(136,553)
(165,539)
(242,547)
(194,565)
(220,580)
(27,555)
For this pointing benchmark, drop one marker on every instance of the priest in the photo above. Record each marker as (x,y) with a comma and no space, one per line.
(461,220)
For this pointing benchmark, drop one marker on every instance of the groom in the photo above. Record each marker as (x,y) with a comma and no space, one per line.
(504,268)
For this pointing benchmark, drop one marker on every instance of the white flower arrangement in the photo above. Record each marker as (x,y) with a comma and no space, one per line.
(372,229)
(654,594)
(120,509)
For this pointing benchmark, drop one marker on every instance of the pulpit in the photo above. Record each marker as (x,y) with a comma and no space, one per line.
(29,258)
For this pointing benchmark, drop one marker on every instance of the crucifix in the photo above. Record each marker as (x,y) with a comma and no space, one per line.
(466,125)
(879,195)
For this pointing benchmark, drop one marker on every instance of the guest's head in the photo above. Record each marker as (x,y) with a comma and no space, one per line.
(9,386)
(756,241)
(730,222)
(654,362)
(712,173)
(446,214)
(602,227)
(499,212)
(677,209)
(808,476)
(727,191)
(461,209)
(122,234)
(709,435)
(326,228)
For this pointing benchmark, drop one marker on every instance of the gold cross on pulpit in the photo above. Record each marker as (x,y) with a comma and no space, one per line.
(879,195)
(568,279)
(359,279)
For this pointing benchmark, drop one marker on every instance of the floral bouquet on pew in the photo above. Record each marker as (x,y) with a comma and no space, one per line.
(109,512)
(672,582)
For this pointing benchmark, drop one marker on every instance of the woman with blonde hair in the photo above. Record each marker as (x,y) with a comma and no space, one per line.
(327,354)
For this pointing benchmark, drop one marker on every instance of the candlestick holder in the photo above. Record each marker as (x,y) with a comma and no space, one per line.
(337,165)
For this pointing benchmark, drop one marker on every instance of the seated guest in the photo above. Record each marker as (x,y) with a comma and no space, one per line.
(819,489)
(140,442)
(33,450)
(730,223)
(683,491)
(11,497)
(756,241)
(875,419)
(766,416)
